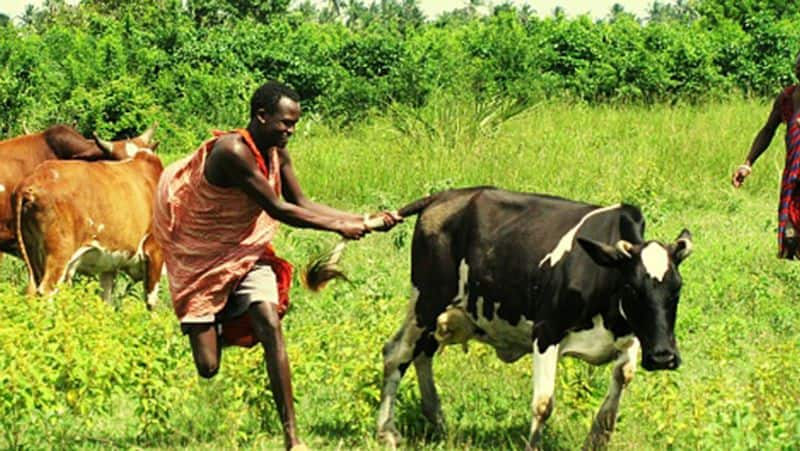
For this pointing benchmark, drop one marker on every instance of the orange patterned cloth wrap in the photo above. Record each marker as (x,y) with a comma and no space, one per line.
(212,236)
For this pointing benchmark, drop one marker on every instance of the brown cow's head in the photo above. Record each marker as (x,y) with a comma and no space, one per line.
(125,149)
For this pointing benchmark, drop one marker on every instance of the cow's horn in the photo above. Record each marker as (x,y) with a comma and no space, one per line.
(25,128)
(148,134)
(107,146)
(624,247)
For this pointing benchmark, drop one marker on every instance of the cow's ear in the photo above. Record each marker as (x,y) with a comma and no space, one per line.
(604,254)
(682,247)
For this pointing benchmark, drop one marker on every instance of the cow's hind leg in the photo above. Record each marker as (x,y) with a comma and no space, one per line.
(398,353)
(423,365)
(606,418)
(544,382)
(152,275)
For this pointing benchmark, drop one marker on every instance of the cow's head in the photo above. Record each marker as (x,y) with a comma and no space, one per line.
(652,287)
(124,149)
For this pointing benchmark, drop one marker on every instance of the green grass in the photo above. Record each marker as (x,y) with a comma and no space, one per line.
(76,373)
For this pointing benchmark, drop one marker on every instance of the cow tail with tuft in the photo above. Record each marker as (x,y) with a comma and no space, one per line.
(325,267)
(22,200)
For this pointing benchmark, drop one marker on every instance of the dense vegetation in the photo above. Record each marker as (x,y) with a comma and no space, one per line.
(653,112)
(115,65)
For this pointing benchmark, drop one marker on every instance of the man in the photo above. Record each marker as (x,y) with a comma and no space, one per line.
(215,214)
(784,109)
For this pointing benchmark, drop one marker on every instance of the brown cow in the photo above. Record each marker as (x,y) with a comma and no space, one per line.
(20,155)
(92,218)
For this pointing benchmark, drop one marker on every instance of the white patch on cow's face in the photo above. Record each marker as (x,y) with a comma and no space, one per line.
(565,243)
(131,149)
(2,188)
(656,261)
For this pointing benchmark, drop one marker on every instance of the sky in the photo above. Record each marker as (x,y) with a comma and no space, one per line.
(596,8)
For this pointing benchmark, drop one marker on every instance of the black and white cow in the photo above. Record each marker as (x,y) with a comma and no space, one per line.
(532,273)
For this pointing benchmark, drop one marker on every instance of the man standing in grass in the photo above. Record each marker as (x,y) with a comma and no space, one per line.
(785,109)
(215,214)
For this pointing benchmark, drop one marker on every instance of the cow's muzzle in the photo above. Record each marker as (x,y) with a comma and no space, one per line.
(663,359)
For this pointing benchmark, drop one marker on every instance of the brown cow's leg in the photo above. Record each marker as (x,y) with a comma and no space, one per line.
(55,272)
(152,273)
(606,418)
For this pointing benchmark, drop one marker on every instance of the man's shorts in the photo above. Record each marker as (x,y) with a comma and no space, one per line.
(258,285)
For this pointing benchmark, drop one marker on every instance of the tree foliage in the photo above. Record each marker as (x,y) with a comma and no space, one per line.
(114,65)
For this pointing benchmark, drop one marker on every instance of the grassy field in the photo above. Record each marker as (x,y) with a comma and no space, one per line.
(76,373)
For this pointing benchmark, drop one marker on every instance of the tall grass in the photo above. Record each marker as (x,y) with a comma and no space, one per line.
(737,323)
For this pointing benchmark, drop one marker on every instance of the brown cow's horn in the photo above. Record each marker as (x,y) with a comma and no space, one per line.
(624,247)
(25,128)
(107,146)
(148,134)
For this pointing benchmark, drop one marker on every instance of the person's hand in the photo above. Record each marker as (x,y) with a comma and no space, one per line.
(387,220)
(740,174)
(352,229)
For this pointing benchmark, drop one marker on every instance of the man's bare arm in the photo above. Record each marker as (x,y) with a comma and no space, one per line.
(761,141)
(767,132)
(233,164)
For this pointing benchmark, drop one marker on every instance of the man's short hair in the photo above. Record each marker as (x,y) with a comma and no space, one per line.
(268,95)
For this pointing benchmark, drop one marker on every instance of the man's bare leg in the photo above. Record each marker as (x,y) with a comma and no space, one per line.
(205,349)
(267,327)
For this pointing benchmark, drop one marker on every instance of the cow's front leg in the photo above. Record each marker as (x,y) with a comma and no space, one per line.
(423,365)
(397,356)
(544,382)
(606,418)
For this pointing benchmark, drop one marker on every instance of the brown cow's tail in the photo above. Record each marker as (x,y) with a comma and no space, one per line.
(23,200)
(325,267)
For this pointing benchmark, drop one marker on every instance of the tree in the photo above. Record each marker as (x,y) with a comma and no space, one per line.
(680,11)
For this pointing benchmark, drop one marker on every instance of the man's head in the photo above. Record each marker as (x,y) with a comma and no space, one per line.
(274,111)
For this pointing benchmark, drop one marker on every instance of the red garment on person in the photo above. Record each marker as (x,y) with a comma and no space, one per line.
(212,236)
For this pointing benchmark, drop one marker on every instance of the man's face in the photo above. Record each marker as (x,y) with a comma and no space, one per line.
(278,127)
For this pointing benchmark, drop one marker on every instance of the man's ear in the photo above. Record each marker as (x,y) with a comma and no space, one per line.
(606,255)
(262,115)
